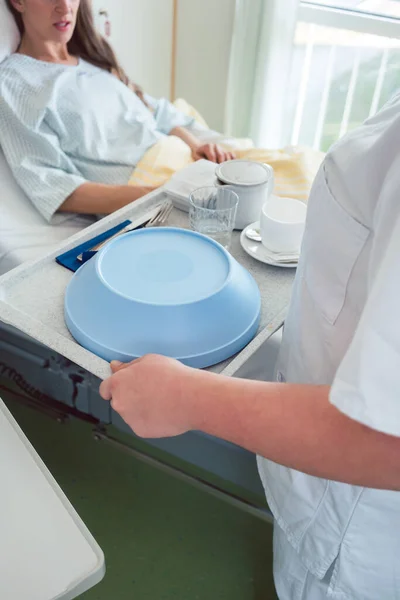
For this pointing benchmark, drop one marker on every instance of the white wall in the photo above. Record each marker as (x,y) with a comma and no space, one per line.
(141,34)
(142,38)
(203,49)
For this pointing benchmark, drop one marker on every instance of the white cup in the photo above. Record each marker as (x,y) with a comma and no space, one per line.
(253,182)
(282,224)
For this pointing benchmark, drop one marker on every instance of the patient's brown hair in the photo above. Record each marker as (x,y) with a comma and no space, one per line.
(88,44)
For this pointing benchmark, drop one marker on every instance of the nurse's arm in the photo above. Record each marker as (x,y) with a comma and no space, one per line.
(297,426)
(97,198)
(294,425)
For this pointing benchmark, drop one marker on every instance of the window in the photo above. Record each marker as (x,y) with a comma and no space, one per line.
(387,8)
(345,66)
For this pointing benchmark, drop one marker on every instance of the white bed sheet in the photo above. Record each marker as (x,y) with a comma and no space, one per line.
(24,244)
(24,234)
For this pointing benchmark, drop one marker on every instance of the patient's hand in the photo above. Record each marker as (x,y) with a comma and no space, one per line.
(212,152)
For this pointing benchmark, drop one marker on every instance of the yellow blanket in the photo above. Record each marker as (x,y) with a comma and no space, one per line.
(295,168)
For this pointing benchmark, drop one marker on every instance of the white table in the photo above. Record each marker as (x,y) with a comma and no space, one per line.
(46,551)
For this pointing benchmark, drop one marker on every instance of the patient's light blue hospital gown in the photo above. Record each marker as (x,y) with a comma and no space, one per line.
(62,125)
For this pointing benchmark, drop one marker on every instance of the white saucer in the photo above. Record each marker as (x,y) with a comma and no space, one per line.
(259,252)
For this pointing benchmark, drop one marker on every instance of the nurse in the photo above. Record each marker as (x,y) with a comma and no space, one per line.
(328,432)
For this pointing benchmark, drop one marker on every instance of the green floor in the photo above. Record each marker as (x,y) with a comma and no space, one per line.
(161,537)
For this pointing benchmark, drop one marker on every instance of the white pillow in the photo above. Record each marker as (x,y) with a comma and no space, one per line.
(15,208)
(9,34)
(14,205)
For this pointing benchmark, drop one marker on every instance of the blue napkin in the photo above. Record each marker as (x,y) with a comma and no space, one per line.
(69,259)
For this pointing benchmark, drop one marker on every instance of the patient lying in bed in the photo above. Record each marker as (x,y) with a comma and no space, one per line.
(64,126)
(76,135)
(71,126)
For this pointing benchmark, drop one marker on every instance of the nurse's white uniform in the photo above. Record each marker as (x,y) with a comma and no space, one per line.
(335,540)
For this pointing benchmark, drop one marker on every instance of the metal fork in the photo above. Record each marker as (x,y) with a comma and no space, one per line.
(156,220)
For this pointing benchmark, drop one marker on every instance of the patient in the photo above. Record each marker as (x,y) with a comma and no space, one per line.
(72,126)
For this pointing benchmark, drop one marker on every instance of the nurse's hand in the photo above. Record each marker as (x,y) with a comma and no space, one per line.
(150,395)
(213,152)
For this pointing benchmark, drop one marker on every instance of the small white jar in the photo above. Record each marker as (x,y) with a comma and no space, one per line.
(253,182)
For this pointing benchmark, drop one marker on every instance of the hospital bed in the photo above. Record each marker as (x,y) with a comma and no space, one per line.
(53,384)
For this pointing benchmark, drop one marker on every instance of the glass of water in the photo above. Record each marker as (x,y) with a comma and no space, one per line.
(213,213)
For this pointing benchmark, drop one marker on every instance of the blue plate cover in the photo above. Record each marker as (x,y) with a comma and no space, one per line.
(166,291)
